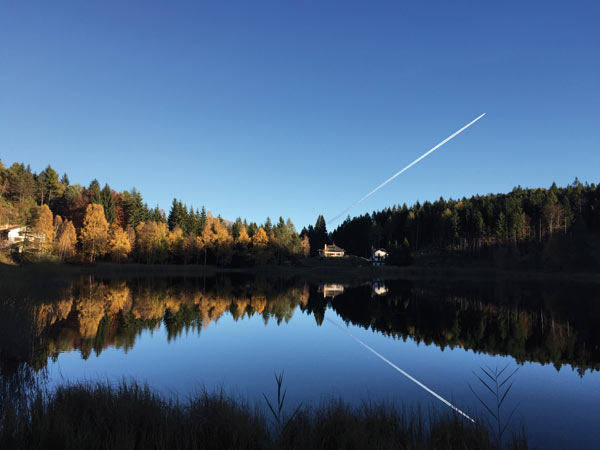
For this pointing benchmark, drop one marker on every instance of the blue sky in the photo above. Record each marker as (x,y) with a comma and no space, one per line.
(298,108)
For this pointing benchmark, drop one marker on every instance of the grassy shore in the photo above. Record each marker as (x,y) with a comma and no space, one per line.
(129,416)
(312,270)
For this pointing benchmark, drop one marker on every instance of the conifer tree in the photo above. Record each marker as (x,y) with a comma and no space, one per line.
(134,208)
(108,203)
(175,215)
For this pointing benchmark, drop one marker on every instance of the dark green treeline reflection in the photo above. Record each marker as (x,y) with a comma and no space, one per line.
(550,324)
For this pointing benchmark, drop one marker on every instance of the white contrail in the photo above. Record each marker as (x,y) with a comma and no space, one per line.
(404,169)
(414,380)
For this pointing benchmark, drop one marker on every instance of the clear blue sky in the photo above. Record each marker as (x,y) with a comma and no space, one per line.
(298,108)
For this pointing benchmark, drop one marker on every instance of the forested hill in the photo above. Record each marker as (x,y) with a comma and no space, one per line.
(57,220)
(559,224)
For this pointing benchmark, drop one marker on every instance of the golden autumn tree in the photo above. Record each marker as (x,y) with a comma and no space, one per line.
(243,239)
(260,240)
(208,237)
(94,234)
(118,243)
(175,239)
(45,228)
(66,240)
(223,242)
(152,241)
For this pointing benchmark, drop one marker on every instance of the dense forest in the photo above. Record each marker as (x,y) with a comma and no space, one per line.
(70,222)
(528,222)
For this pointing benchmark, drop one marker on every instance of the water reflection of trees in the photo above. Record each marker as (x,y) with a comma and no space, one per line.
(547,324)
(91,314)
(550,324)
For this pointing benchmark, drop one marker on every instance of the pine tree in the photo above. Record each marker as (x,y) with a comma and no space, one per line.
(48,185)
(108,203)
(134,208)
(175,215)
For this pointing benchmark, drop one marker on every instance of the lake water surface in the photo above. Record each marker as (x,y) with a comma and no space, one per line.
(182,334)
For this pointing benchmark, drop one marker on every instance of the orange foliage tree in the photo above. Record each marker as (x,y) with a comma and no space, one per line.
(94,234)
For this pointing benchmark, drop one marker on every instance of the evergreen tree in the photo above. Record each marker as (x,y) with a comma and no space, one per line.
(176,215)
(134,208)
(49,187)
(108,202)
(318,237)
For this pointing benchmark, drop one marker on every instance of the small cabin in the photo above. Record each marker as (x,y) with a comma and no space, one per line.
(13,233)
(378,256)
(331,251)
(15,237)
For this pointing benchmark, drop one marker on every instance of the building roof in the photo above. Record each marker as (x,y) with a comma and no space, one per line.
(333,248)
(12,227)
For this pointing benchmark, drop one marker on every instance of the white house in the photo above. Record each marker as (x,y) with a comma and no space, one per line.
(378,256)
(331,251)
(13,233)
(15,236)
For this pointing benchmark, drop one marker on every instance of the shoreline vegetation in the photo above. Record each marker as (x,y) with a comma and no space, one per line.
(43,217)
(319,272)
(132,416)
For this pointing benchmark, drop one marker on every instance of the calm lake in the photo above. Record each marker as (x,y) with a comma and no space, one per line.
(235,332)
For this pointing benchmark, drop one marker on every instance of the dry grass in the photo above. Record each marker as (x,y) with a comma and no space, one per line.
(130,416)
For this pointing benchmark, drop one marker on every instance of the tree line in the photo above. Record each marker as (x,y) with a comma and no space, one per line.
(72,222)
(521,217)
(76,223)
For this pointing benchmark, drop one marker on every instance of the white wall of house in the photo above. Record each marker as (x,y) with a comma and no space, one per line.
(14,235)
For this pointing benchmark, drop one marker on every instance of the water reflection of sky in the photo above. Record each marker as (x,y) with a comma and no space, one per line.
(559,408)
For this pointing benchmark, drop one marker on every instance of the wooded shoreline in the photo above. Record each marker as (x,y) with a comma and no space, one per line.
(316,273)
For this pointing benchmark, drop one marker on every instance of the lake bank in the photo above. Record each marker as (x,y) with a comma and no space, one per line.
(323,272)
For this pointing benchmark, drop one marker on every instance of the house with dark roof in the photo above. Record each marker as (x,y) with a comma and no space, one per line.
(331,251)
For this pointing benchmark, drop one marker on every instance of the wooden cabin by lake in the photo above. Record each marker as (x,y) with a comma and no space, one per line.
(331,251)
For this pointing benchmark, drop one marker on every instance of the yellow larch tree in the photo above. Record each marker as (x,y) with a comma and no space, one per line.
(66,240)
(94,234)
(175,238)
(243,239)
(223,242)
(45,229)
(260,238)
(152,241)
(208,236)
(118,243)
